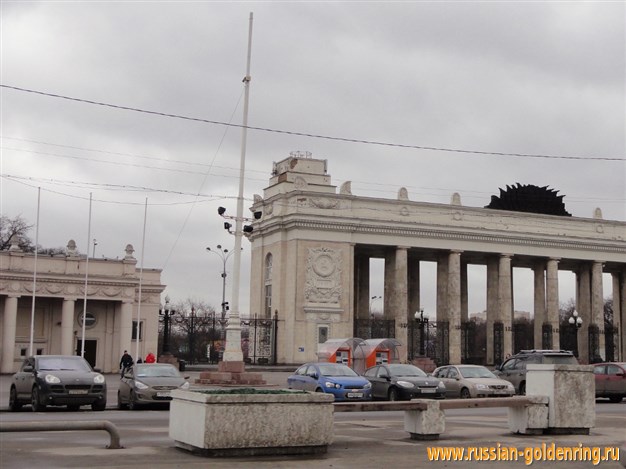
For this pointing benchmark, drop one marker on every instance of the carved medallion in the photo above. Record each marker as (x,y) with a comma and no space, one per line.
(323,276)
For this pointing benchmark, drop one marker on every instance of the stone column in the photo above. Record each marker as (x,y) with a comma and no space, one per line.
(362,275)
(9,329)
(401,302)
(442,288)
(597,305)
(583,307)
(126,327)
(493,312)
(552,299)
(539,303)
(67,326)
(505,301)
(464,300)
(622,321)
(454,306)
(617,313)
(389,286)
(414,285)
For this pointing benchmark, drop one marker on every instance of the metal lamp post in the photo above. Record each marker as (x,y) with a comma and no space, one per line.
(422,322)
(223,254)
(576,322)
(167,312)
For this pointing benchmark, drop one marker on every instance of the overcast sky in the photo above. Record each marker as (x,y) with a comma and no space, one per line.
(540,78)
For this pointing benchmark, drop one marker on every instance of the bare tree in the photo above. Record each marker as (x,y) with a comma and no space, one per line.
(15,227)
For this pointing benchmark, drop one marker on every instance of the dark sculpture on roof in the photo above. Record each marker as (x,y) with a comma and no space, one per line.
(531,199)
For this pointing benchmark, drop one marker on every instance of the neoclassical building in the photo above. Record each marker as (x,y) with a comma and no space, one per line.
(312,245)
(112,323)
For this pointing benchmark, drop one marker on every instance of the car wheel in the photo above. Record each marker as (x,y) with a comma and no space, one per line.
(615,399)
(35,401)
(73,407)
(465,394)
(14,404)
(132,402)
(120,404)
(522,388)
(99,406)
(393,395)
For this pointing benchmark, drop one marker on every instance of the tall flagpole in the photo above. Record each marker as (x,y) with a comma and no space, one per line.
(143,243)
(82,345)
(233,352)
(32,311)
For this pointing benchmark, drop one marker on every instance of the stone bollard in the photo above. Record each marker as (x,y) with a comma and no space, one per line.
(571,391)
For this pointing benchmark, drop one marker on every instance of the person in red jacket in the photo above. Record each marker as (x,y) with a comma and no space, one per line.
(150,358)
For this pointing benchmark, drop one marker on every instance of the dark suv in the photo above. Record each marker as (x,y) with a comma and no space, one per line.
(514,368)
(57,380)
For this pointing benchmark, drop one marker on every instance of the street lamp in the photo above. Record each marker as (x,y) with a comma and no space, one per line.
(576,322)
(167,312)
(422,322)
(372,299)
(223,254)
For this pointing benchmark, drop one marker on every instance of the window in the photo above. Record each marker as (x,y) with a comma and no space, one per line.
(90,320)
(22,352)
(267,308)
(322,334)
(134,337)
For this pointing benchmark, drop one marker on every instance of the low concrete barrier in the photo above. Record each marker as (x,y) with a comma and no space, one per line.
(65,426)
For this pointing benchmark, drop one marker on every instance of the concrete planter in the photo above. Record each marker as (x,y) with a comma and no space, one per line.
(251,424)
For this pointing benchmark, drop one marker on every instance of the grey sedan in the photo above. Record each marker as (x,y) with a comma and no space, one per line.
(149,383)
(403,381)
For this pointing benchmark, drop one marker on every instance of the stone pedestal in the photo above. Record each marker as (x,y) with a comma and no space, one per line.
(251,424)
(231,374)
(425,424)
(571,391)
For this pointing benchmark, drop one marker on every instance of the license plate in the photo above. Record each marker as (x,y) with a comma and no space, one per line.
(77,391)
(425,391)
(163,394)
(355,394)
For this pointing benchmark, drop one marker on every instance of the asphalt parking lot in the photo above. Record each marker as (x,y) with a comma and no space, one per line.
(363,440)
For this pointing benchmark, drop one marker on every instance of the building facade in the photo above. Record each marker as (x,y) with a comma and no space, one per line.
(116,318)
(312,246)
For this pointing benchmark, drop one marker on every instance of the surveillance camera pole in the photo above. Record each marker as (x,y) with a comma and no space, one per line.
(233,352)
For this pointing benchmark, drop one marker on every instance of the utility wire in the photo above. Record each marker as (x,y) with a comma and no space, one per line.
(303,134)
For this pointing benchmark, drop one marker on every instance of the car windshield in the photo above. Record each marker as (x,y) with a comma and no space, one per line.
(329,369)
(156,371)
(62,363)
(405,370)
(475,372)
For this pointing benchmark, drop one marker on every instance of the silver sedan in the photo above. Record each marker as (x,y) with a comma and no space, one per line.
(467,381)
(149,383)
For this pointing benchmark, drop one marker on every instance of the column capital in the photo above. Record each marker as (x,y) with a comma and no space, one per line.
(456,251)
(554,259)
(506,255)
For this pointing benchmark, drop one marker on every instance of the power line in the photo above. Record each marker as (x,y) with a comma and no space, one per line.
(303,134)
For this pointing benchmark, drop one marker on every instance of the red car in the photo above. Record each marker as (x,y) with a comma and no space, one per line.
(610,380)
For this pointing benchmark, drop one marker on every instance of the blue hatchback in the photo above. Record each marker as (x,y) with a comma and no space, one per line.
(333,378)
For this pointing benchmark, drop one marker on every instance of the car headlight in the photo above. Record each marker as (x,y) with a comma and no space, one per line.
(510,387)
(405,384)
(367,386)
(51,379)
(140,385)
(482,386)
(98,379)
(185,385)
(441,385)
(328,384)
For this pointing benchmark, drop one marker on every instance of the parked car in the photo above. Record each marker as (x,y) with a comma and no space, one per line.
(514,368)
(149,383)
(467,381)
(399,381)
(57,380)
(610,380)
(333,378)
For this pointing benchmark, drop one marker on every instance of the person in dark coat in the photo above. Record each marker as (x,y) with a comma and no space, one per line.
(126,362)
